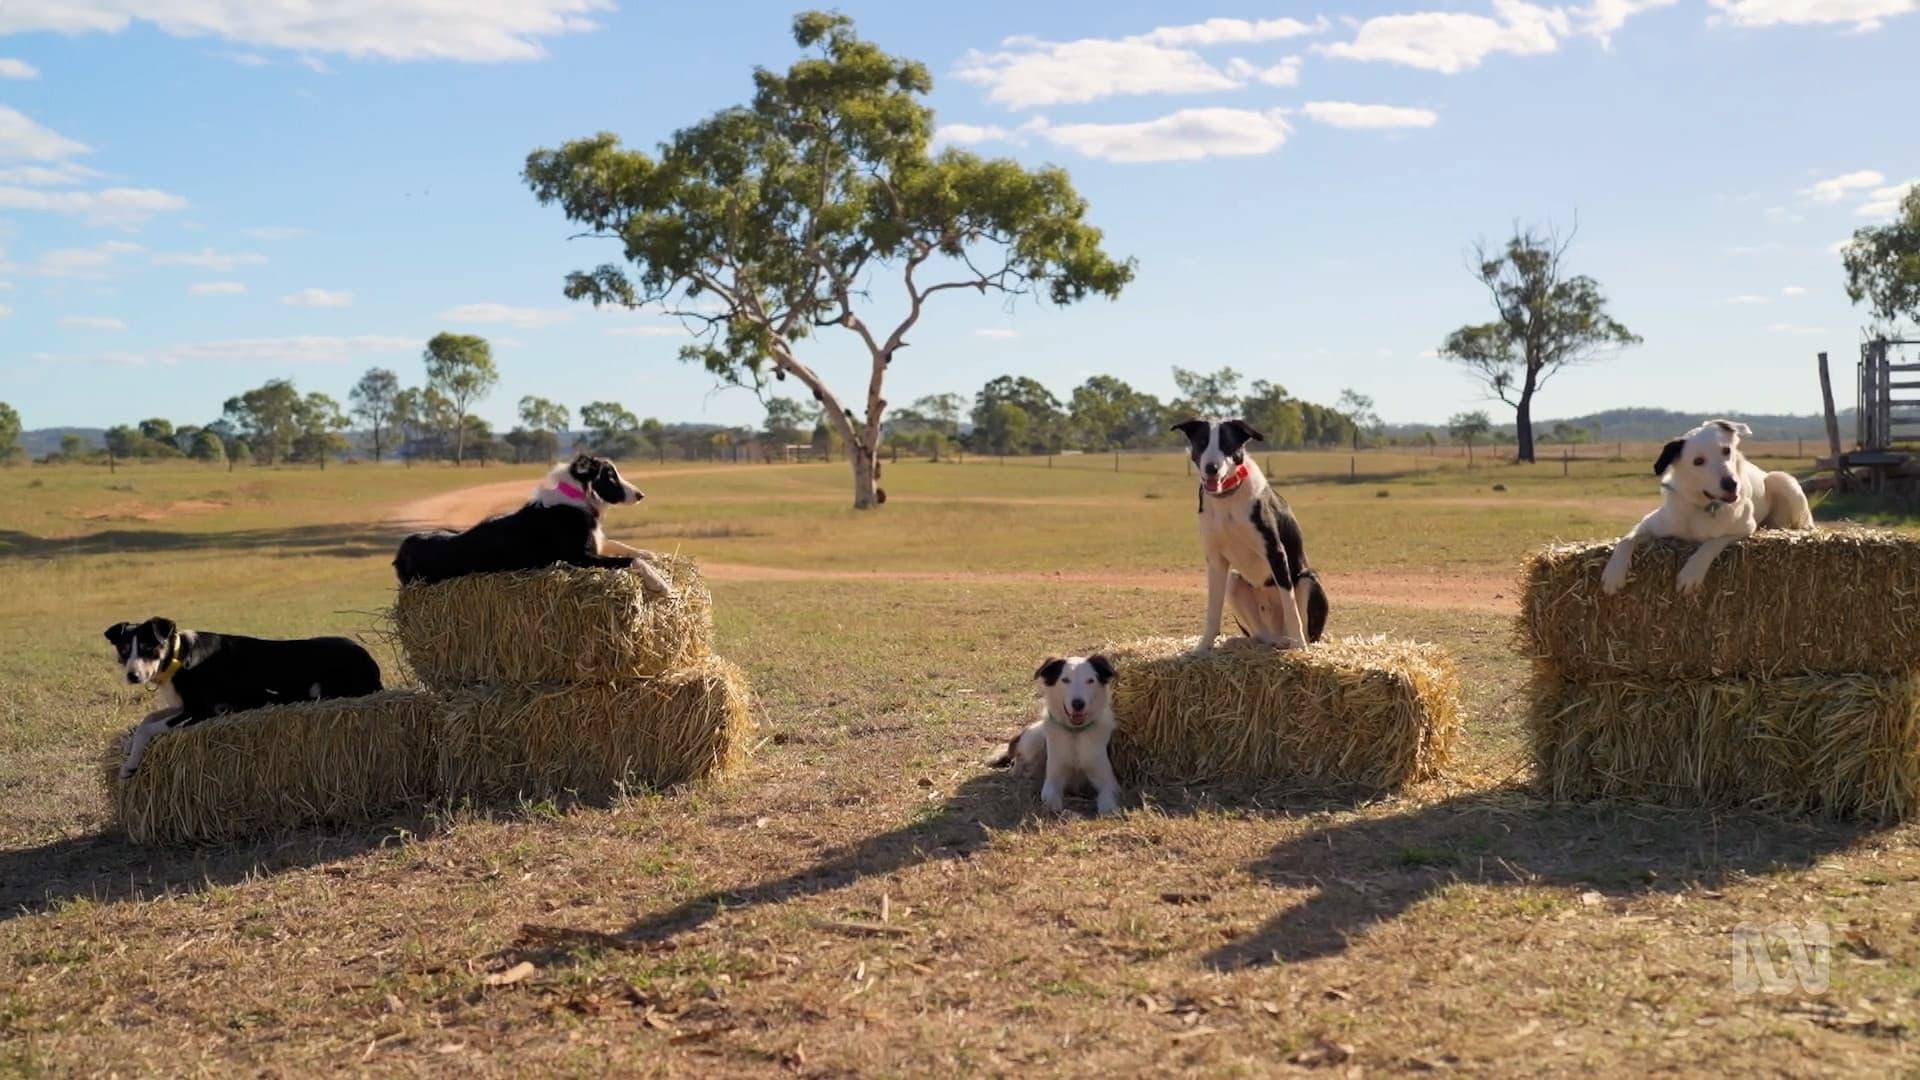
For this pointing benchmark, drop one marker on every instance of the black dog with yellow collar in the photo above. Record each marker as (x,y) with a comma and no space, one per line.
(197,675)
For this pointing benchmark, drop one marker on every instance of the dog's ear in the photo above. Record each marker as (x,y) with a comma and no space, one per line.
(1667,455)
(582,467)
(1102,668)
(163,629)
(119,632)
(1049,672)
(1733,427)
(1241,433)
(1195,431)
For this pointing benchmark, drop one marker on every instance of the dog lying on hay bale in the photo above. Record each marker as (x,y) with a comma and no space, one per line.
(1352,714)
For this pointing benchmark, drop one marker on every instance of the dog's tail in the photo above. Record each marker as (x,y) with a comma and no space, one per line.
(1005,757)
(1316,604)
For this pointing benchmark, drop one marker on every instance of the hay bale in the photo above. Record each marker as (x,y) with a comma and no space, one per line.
(340,761)
(562,624)
(1838,745)
(588,740)
(1350,714)
(1779,603)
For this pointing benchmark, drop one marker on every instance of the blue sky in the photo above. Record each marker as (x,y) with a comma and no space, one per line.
(199,195)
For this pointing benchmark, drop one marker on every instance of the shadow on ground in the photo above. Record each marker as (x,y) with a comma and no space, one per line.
(1371,870)
(345,540)
(107,867)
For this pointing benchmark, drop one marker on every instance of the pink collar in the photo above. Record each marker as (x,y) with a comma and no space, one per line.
(570,491)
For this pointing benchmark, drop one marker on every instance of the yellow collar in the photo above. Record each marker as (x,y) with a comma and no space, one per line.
(174,664)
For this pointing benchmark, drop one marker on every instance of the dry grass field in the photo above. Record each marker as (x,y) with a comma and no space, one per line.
(866,898)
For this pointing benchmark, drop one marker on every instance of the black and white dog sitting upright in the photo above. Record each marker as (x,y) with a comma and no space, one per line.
(199,675)
(1252,544)
(560,524)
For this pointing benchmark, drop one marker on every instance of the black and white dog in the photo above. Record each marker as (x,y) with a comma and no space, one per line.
(1068,743)
(198,675)
(560,524)
(1252,544)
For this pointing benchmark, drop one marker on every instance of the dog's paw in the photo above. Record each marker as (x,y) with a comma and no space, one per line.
(1284,643)
(1613,579)
(1106,805)
(127,774)
(1689,580)
(1204,648)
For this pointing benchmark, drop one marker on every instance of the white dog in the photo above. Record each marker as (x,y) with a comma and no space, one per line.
(1069,741)
(1712,494)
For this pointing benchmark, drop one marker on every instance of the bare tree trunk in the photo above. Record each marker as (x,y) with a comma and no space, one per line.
(1523,424)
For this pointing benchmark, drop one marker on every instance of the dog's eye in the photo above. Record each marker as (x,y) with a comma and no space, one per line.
(1699,461)
(1726,451)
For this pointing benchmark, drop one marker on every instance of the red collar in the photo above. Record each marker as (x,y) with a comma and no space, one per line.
(569,490)
(1230,481)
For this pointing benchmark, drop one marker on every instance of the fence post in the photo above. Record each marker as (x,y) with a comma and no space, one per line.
(1116,461)
(1353,467)
(1566,459)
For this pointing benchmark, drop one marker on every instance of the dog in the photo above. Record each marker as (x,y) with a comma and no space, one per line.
(197,675)
(1068,743)
(1713,494)
(1248,529)
(559,524)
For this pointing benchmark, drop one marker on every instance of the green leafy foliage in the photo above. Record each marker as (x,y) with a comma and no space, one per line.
(460,369)
(1546,322)
(1883,264)
(371,400)
(766,222)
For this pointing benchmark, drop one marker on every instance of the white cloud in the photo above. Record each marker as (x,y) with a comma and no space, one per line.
(1793,290)
(1885,202)
(216,288)
(93,322)
(1284,73)
(1231,32)
(315,65)
(1032,72)
(996,332)
(209,259)
(970,134)
(1746,298)
(1346,114)
(318,298)
(527,318)
(294,350)
(1839,246)
(384,29)
(1780,215)
(1835,188)
(1863,15)
(645,331)
(17,69)
(1187,135)
(108,206)
(1451,42)
(5,311)
(1794,328)
(249,59)
(277,232)
(59,174)
(87,262)
(1601,19)
(22,138)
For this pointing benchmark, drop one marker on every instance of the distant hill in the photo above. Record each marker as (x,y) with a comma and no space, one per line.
(1648,425)
(43,441)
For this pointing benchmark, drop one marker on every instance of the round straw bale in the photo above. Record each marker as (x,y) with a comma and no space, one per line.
(339,761)
(558,625)
(1831,601)
(1367,714)
(1835,745)
(589,740)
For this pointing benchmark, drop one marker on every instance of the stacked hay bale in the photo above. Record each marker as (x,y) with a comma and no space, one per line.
(343,761)
(574,682)
(1791,682)
(1358,714)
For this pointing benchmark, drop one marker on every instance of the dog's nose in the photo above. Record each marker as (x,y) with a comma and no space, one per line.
(132,678)
(1079,704)
(1729,484)
(1210,468)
